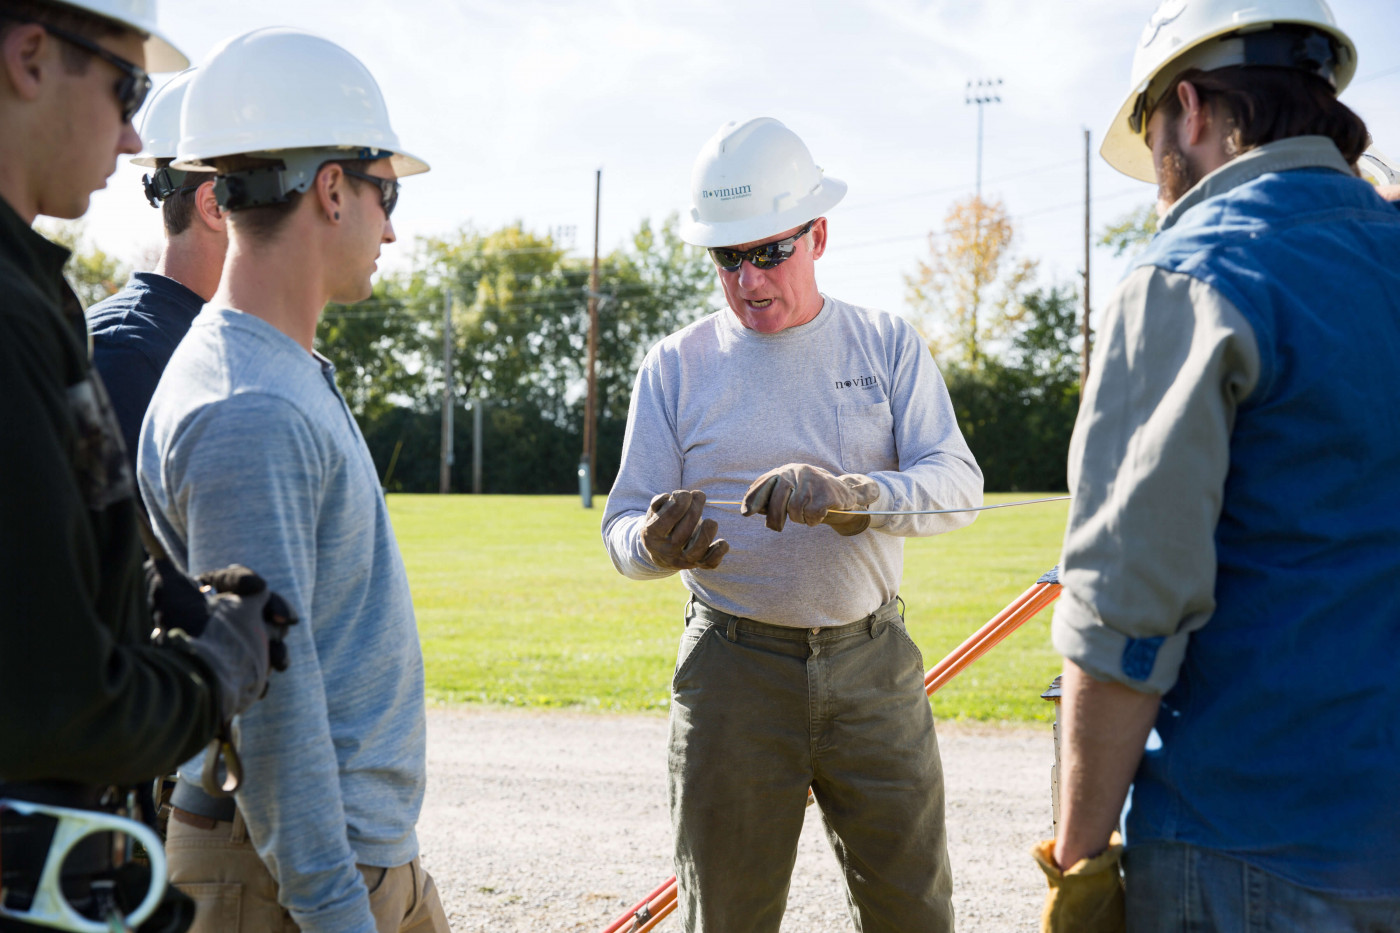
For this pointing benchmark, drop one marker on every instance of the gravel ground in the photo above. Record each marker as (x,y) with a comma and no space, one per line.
(557,821)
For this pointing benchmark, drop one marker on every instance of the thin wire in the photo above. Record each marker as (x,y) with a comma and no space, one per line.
(980,508)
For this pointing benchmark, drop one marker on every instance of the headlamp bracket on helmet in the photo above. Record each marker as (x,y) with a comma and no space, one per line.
(165,182)
(288,172)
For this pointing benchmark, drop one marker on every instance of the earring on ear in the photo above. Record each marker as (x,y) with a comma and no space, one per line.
(336,215)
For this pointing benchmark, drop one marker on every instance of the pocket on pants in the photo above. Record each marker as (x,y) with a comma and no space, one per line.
(217,906)
(692,639)
(903,636)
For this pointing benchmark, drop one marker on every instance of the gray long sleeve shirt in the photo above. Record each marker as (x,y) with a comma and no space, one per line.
(249,455)
(852,391)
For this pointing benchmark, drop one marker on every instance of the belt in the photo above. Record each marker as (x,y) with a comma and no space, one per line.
(874,622)
(192,799)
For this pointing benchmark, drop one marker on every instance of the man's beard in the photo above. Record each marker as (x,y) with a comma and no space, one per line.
(1175,175)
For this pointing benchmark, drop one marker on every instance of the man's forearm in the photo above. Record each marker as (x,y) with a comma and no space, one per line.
(1104,727)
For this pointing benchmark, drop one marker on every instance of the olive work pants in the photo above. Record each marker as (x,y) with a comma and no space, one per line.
(233,891)
(761,712)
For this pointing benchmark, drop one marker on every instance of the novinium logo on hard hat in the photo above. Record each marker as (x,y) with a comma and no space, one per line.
(726,194)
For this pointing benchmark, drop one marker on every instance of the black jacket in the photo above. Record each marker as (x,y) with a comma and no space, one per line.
(84,696)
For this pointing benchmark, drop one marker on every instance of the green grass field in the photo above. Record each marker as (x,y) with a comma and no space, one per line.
(518,604)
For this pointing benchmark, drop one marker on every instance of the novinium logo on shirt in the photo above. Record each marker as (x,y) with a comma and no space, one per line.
(860,382)
(726,194)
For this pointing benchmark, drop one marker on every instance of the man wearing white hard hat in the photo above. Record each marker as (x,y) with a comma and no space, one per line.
(135,331)
(86,701)
(1232,553)
(249,449)
(795,669)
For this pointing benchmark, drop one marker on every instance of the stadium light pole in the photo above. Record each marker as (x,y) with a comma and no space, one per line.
(988,91)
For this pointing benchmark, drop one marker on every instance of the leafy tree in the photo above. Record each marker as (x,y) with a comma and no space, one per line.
(1018,413)
(1132,231)
(970,289)
(520,328)
(93,273)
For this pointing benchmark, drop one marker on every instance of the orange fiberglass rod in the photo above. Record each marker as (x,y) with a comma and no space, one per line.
(647,913)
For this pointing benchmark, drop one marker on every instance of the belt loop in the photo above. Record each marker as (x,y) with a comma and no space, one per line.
(239,834)
(732,631)
(689,610)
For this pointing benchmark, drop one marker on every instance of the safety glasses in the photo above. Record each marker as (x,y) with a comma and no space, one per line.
(764,256)
(388,188)
(131,88)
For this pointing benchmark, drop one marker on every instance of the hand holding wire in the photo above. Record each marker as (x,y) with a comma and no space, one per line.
(676,538)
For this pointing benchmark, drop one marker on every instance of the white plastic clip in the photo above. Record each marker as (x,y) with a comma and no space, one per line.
(50,908)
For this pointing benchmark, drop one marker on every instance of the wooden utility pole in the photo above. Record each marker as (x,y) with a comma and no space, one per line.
(445,460)
(1084,325)
(590,416)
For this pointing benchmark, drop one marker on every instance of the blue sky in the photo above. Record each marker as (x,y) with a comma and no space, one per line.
(515,103)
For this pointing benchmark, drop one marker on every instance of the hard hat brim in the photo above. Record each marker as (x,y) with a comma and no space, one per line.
(1125,150)
(732,233)
(404,164)
(162,55)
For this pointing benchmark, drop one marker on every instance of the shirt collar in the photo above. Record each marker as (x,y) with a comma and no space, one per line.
(34,257)
(1282,155)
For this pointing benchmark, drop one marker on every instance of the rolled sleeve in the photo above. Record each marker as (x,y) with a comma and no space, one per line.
(1147,469)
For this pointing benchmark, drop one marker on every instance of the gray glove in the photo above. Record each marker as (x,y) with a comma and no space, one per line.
(675,537)
(234,645)
(807,494)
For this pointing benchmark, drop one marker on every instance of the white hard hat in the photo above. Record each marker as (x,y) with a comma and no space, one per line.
(138,15)
(1210,34)
(160,126)
(754,180)
(1378,168)
(281,93)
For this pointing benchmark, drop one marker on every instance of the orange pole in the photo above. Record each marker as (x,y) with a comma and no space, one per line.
(1032,606)
(972,640)
(661,908)
(661,902)
(660,890)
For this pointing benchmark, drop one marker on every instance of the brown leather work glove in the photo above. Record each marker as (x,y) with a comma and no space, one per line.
(675,537)
(807,494)
(1087,897)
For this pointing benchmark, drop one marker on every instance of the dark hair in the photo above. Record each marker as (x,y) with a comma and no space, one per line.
(265,220)
(177,211)
(1262,104)
(60,15)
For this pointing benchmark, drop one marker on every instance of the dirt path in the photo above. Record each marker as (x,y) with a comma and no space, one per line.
(557,822)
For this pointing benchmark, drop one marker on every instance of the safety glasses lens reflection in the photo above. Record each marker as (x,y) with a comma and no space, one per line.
(763,256)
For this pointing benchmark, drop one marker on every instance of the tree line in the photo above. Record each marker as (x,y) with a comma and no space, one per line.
(1008,346)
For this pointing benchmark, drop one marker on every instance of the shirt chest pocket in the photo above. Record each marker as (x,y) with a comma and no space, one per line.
(867,437)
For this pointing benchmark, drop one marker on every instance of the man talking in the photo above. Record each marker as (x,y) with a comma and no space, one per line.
(794,669)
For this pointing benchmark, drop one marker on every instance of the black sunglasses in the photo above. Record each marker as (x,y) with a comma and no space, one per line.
(764,256)
(131,88)
(388,188)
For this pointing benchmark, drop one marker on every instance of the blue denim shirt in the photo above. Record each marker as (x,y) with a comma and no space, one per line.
(1281,736)
(133,334)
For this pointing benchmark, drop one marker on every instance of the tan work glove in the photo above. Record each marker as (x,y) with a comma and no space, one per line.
(1087,897)
(675,537)
(807,494)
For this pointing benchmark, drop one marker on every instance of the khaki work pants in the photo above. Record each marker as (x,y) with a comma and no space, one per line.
(215,864)
(758,714)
